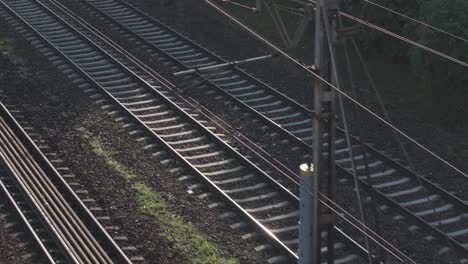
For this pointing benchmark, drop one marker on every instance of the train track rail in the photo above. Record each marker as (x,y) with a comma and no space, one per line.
(410,194)
(168,127)
(19,212)
(73,234)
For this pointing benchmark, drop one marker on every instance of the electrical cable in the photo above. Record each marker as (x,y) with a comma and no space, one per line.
(289,10)
(315,75)
(332,52)
(351,216)
(416,20)
(362,146)
(397,36)
(240,5)
(331,85)
(340,211)
(326,82)
(381,103)
(398,139)
(404,39)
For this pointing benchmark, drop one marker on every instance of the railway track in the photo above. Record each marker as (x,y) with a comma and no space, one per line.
(410,194)
(19,214)
(63,228)
(168,126)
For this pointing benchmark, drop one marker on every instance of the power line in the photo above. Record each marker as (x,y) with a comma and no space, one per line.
(291,10)
(402,255)
(395,35)
(331,51)
(293,177)
(340,211)
(310,71)
(387,115)
(404,39)
(407,40)
(416,20)
(240,5)
(340,92)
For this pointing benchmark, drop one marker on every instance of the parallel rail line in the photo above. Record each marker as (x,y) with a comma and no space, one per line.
(77,234)
(154,116)
(411,195)
(17,208)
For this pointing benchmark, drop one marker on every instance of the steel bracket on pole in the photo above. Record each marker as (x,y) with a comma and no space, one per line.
(223,65)
(290,42)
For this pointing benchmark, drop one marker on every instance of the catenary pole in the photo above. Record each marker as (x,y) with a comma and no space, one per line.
(323,176)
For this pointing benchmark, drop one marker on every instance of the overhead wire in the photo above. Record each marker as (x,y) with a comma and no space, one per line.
(343,93)
(331,51)
(387,116)
(397,36)
(290,10)
(362,146)
(294,178)
(315,75)
(240,5)
(416,20)
(398,139)
(363,229)
(404,39)
(339,211)
(287,172)
(381,102)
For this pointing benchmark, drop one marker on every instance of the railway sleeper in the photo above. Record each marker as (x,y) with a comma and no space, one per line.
(249,197)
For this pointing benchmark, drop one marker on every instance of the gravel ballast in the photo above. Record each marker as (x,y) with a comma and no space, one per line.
(69,112)
(58,110)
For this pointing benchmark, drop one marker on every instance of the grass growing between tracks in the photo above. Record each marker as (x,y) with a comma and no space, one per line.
(187,239)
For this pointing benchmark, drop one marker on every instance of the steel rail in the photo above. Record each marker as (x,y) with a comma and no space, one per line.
(156,137)
(25,221)
(280,245)
(51,212)
(148,70)
(52,199)
(393,203)
(405,171)
(275,126)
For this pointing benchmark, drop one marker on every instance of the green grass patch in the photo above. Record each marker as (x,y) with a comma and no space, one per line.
(185,236)
(187,239)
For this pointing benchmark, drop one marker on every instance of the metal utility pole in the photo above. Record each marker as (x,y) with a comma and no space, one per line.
(323,178)
(308,209)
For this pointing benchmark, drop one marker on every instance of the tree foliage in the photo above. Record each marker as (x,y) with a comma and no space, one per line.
(376,41)
(445,82)
(452,16)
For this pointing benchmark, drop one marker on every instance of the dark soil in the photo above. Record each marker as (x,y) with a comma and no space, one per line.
(56,108)
(14,249)
(10,249)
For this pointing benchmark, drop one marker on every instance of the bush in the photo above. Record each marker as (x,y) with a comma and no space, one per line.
(450,15)
(378,42)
